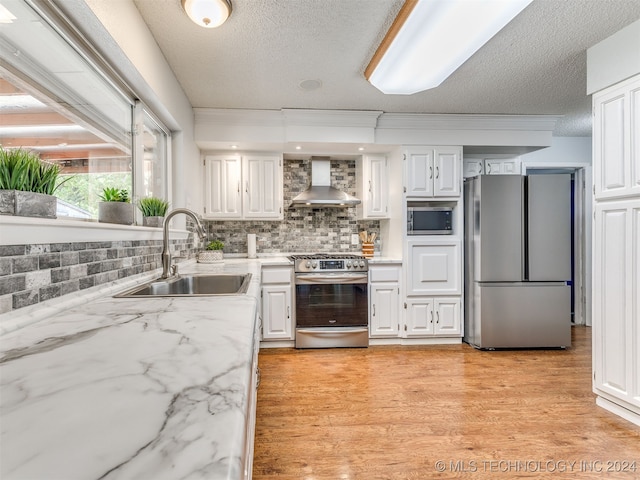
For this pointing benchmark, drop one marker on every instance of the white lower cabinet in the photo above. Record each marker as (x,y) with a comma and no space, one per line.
(433,316)
(616,313)
(278,313)
(384,300)
(434,267)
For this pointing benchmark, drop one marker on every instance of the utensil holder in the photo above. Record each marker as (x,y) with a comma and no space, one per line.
(367,249)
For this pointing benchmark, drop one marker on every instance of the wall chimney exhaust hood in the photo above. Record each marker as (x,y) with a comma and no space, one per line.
(321,193)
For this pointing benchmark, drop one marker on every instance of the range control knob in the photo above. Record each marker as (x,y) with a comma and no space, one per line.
(362,263)
(314,264)
(308,264)
(348,263)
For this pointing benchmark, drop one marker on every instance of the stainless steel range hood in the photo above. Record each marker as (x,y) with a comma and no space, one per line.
(321,193)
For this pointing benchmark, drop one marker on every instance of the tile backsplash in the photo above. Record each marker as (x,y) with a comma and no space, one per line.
(303,229)
(30,274)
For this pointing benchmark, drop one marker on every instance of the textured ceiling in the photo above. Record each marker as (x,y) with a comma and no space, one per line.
(260,56)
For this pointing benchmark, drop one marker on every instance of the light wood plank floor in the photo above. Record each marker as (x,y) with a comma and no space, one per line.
(395,412)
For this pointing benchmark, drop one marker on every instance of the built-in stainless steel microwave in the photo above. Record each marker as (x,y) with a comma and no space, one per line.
(429,220)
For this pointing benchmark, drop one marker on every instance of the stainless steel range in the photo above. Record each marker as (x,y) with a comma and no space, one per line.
(332,306)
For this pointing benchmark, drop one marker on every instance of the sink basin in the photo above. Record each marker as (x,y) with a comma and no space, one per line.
(192,286)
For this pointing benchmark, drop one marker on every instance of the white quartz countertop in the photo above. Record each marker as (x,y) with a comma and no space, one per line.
(131,388)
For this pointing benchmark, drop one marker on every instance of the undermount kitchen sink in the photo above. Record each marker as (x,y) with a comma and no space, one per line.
(192,286)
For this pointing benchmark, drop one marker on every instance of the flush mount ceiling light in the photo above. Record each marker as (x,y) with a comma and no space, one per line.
(430,39)
(207,13)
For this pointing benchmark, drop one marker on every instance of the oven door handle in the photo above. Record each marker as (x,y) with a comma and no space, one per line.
(312,278)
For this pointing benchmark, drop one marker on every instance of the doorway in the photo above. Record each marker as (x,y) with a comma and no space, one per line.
(580,313)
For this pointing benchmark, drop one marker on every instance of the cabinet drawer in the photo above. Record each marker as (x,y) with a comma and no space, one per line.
(276,275)
(384,274)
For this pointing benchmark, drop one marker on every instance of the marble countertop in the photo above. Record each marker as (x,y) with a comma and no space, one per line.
(130,388)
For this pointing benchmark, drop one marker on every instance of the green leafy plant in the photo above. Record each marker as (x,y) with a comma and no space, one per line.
(153,207)
(25,171)
(112,194)
(215,245)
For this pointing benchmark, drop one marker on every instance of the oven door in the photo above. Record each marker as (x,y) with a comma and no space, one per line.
(331,300)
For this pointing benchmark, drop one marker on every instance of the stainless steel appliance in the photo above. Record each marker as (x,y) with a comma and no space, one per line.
(331,300)
(518,261)
(429,220)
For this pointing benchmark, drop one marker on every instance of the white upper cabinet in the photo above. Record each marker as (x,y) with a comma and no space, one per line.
(616,140)
(473,167)
(372,187)
(243,186)
(510,166)
(223,177)
(262,186)
(433,172)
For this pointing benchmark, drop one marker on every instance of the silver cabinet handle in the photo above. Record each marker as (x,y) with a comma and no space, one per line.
(374,310)
(431,317)
(246,186)
(430,173)
(437,172)
(288,311)
(238,187)
(369,185)
(437,317)
(488,168)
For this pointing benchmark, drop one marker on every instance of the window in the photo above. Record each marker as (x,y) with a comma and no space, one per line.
(55,100)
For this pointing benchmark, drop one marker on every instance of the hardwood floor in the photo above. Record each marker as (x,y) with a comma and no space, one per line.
(437,412)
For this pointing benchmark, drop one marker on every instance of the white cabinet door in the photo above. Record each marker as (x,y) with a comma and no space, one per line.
(262,178)
(419,173)
(384,318)
(609,145)
(277,312)
(372,187)
(616,325)
(447,313)
(616,140)
(434,269)
(634,132)
(420,317)
(378,194)
(447,179)
(222,186)
(472,167)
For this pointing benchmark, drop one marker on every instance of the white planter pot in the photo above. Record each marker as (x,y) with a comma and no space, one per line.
(210,256)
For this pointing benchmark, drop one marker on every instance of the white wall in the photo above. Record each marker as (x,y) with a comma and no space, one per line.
(565,150)
(614,59)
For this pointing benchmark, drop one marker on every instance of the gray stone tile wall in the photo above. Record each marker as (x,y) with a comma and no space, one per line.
(31,274)
(303,229)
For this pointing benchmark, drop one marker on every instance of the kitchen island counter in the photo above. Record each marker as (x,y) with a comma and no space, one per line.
(124,388)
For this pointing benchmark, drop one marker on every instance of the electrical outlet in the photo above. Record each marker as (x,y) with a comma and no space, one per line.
(355,239)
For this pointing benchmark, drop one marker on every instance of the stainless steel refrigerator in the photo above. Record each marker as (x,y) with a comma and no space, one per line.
(518,261)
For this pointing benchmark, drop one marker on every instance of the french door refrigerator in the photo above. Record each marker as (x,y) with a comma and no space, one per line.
(518,261)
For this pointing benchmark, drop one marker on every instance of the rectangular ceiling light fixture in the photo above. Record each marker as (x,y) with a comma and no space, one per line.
(430,39)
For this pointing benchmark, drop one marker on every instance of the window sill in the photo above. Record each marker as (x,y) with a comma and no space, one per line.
(28,230)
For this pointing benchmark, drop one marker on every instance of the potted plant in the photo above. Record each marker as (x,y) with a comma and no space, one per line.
(27,184)
(153,210)
(212,252)
(115,207)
